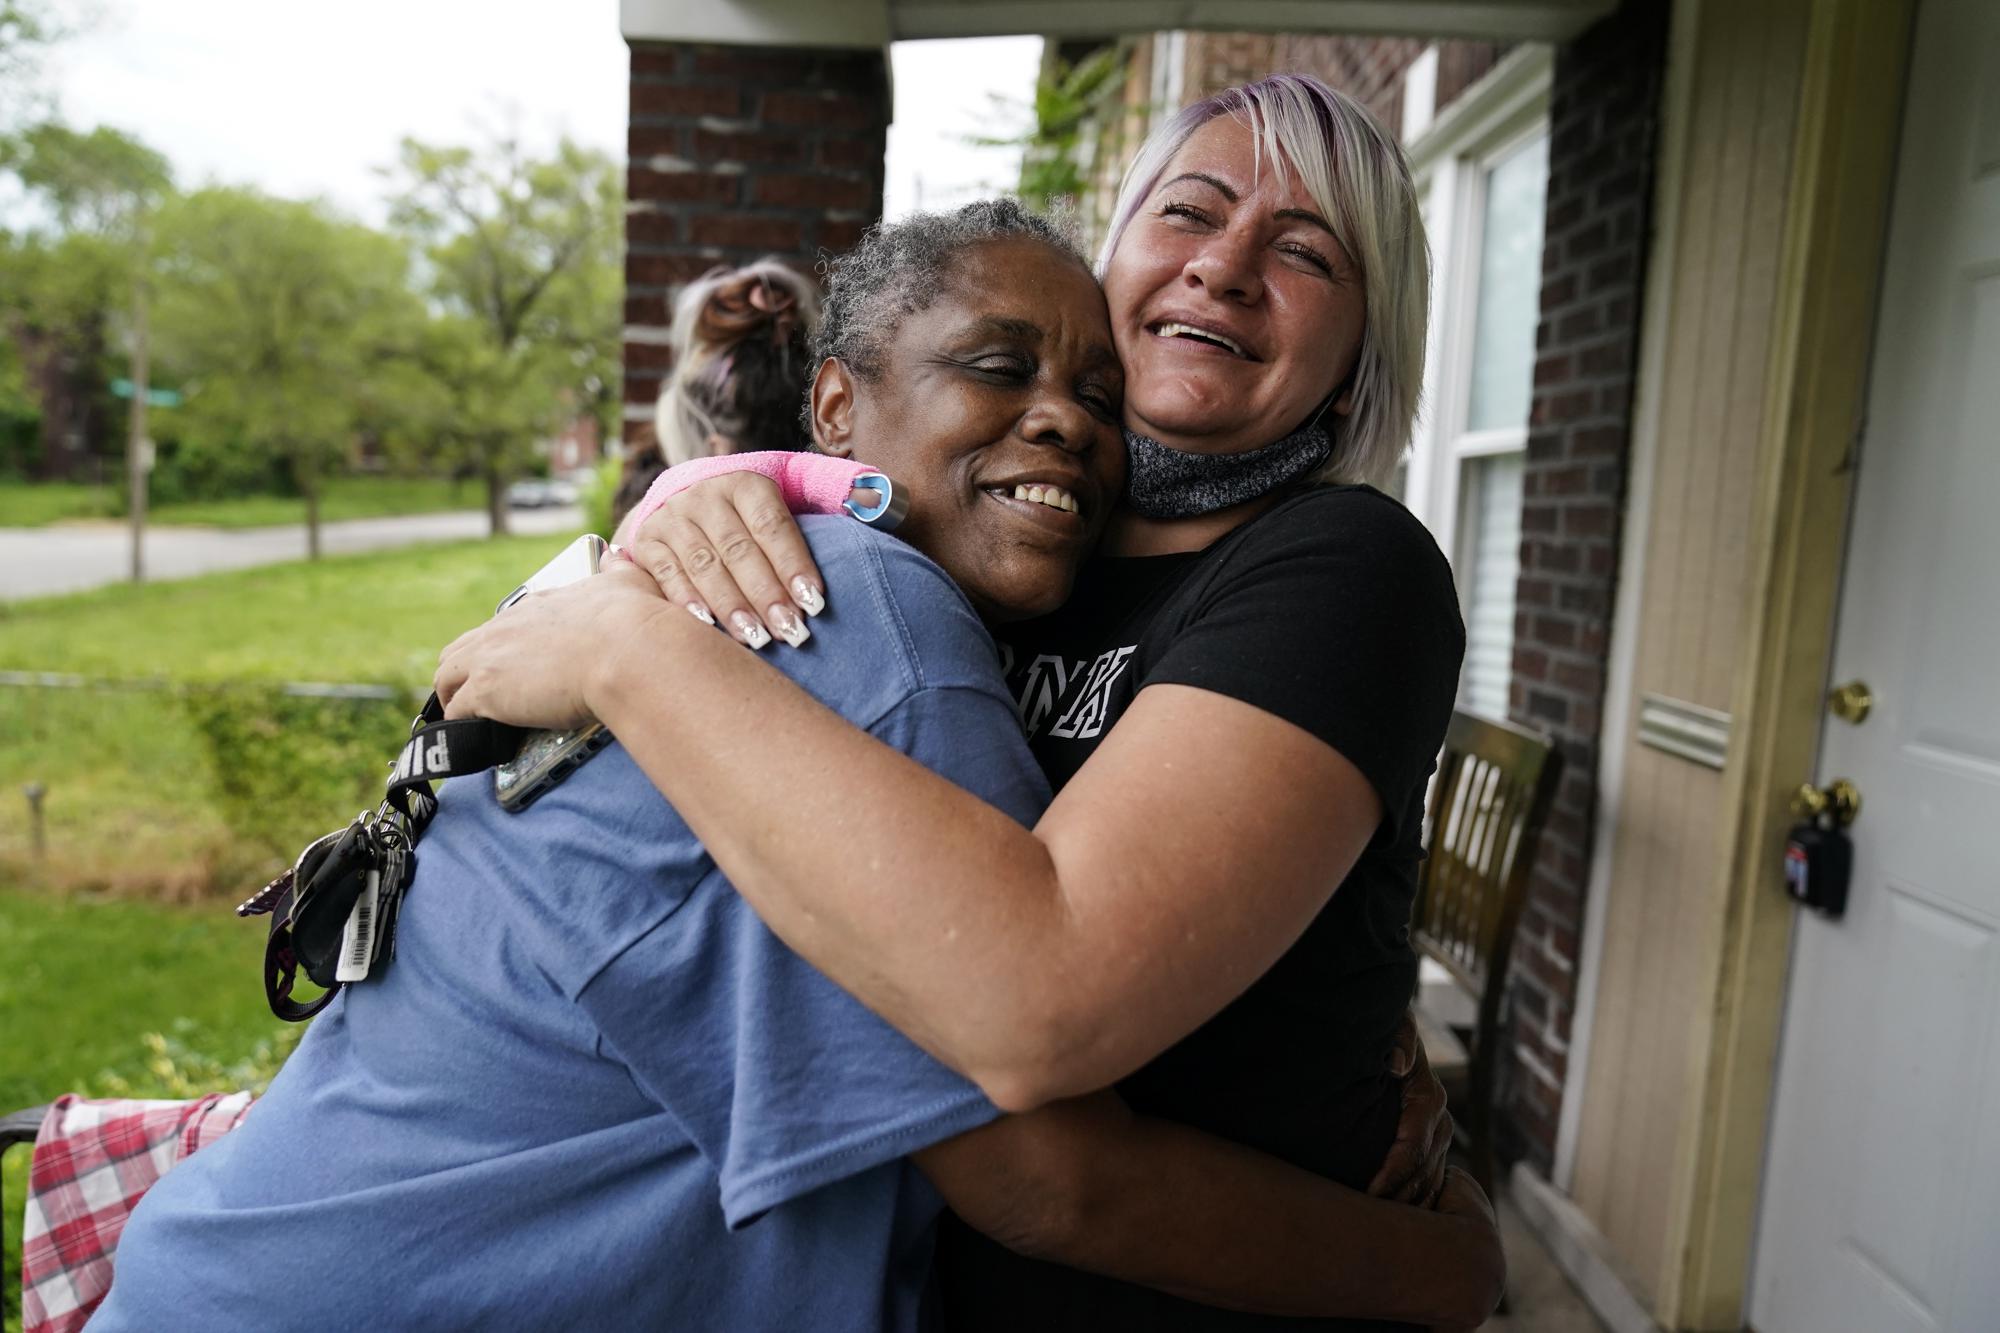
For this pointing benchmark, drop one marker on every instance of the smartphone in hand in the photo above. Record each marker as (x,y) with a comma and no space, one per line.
(578,560)
(547,757)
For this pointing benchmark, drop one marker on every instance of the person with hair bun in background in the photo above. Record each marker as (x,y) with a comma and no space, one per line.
(739,337)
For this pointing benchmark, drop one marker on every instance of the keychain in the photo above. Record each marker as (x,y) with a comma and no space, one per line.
(334,913)
(1819,856)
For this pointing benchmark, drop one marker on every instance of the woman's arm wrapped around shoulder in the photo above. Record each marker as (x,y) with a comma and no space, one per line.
(1191,850)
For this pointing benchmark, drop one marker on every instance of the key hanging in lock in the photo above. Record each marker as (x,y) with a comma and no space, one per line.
(1819,856)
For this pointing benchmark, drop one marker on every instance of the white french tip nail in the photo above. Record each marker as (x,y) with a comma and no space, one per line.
(749,630)
(700,612)
(810,599)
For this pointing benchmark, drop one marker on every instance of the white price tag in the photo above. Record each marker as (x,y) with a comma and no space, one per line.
(357,939)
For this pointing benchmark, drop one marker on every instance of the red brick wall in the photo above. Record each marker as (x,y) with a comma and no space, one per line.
(1368,69)
(1218,60)
(1602,113)
(736,152)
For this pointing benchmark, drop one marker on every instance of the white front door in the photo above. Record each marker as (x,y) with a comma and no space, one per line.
(1881,1208)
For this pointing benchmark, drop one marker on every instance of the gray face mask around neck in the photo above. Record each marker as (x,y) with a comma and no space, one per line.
(1171,483)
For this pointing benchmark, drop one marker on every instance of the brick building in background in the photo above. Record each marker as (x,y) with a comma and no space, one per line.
(734,153)
(1603,110)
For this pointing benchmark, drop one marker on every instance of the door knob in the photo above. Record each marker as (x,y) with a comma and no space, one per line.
(1841,797)
(1850,702)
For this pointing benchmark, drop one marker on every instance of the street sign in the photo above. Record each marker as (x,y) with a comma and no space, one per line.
(154,397)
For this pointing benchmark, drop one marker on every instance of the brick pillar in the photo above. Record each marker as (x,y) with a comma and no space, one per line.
(736,152)
(1218,60)
(1602,114)
(1368,69)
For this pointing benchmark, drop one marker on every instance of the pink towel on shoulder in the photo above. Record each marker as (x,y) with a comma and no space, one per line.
(811,483)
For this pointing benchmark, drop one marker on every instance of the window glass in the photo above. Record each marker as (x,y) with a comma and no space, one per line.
(1488,563)
(1510,285)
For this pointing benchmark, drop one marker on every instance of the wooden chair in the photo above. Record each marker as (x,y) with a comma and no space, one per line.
(1495,784)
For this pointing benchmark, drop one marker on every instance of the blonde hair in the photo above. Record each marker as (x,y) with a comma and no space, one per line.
(1359,178)
(739,335)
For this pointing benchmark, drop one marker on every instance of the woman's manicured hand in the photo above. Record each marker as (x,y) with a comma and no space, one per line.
(729,551)
(532,665)
(1414,1170)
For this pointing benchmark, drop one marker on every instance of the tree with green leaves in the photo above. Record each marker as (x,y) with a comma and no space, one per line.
(20,414)
(23,26)
(1059,148)
(285,318)
(522,255)
(73,278)
(98,182)
(26,28)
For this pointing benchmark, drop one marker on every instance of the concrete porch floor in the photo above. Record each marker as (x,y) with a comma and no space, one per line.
(1539,1298)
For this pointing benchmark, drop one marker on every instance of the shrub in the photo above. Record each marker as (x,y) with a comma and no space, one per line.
(20,442)
(288,768)
(603,489)
(172,1067)
(187,469)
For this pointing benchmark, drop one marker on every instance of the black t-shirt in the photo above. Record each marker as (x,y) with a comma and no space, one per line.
(1335,611)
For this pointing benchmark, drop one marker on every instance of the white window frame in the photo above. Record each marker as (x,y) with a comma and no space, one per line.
(1501,113)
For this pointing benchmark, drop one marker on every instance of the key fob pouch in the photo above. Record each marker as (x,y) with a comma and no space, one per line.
(330,878)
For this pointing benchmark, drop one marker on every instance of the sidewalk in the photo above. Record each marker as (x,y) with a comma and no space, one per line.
(70,557)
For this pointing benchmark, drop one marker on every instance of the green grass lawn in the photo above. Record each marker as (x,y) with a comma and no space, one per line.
(30,505)
(83,980)
(375,617)
(27,505)
(83,983)
(132,802)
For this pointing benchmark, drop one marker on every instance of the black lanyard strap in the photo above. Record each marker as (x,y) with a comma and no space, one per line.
(438,749)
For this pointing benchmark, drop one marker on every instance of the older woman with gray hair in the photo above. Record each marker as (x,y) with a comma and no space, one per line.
(1239,705)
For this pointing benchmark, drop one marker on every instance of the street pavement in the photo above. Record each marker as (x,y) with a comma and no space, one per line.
(70,557)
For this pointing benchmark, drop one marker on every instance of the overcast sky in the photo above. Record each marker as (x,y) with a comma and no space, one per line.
(310,99)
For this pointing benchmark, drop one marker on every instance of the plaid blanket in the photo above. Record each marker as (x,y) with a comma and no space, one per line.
(93,1161)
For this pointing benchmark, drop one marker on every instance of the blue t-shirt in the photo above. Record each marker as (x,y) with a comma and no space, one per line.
(592,1089)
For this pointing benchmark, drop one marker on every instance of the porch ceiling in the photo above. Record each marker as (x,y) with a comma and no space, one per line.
(864,23)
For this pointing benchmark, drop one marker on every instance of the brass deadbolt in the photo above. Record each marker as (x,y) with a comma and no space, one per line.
(1850,702)
(1840,796)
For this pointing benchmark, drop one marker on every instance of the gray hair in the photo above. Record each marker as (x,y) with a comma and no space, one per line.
(900,268)
(1359,178)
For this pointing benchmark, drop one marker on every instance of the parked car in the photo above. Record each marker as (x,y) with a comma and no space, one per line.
(542,493)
